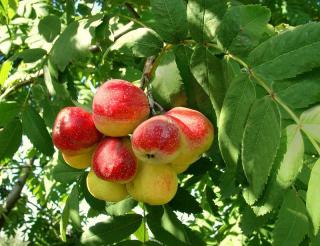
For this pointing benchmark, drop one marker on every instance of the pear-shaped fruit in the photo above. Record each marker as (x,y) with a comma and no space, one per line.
(105,190)
(153,184)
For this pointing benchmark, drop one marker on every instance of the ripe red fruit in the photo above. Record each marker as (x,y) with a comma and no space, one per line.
(157,140)
(114,160)
(119,107)
(74,131)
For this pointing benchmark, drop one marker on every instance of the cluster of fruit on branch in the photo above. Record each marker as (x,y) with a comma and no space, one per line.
(145,166)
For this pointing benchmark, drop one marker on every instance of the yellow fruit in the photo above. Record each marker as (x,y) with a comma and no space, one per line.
(154,184)
(105,190)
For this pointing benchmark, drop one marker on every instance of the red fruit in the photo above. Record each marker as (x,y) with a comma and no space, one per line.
(119,107)
(157,140)
(114,160)
(74,131)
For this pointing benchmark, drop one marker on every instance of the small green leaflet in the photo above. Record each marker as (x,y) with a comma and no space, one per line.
(313,198)
(290,166)
(4,71)
(49,27)
(63,173)
(288,54)
(31,55)
(206,68)
(292,224)
(236,106)
(204,16)
(10,139)
(259,146)
(170,19)
(184,202)
(242,28)
(115,229)
(310,121)
(122,207)
(142,42)
(70,211)
(35,129)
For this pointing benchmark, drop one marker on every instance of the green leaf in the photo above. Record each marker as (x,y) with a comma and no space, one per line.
(206,68)
(204,17)
(167,228)
(35,128)
(31,55)
(130,243)
(302,91)
(10,139)
(184,202)
(249,222)
(290,166)
(142,42)
(72,45)
(235,109)
(313,198)
(122,207)
(288,54)
(4,71)
(292,223)
(171,19)
(49,27)
(259,146)
(166,84)
(231,70)
(8,110)
(242,28)
(310,121)
(70,211)
(114,230)
(63,173)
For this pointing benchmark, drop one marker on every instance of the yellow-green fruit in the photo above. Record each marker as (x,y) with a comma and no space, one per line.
(105,190)
(79,161)
(154,184)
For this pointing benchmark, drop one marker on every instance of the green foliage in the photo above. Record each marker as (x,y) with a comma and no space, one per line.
(251,66)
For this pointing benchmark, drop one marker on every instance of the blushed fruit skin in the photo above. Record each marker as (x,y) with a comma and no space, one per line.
(105,190)
(79,161)
(114,160)
(74,131)
(154,184)
(119,107)
(157,140)
(197,136)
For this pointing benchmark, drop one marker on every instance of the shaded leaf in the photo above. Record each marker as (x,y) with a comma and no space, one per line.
(313,198)
(184,202)
(242,27)
(31,55)
(35,128)
(259,146)
(49,27)
(206,68)
(10,139)
(122,207)
(204,17)
(142,42)
(171,19)
(8,110)
(64,173)
(292,223)
(111,231)
(288,54)
(236,106)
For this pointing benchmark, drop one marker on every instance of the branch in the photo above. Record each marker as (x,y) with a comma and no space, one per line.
(132,10)
(15,193)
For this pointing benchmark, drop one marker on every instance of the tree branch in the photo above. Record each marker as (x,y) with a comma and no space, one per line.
(15,193)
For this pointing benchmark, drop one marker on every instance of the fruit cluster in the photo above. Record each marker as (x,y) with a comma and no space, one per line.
(144,166)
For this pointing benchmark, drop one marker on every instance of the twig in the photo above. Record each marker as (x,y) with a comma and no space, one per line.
(132,10)
(15,193)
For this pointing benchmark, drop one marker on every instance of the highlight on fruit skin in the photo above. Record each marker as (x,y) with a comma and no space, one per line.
(197,136)
(119,107)
(154,184)
(74,131)
(114,160)
(157,140)
(105,190)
